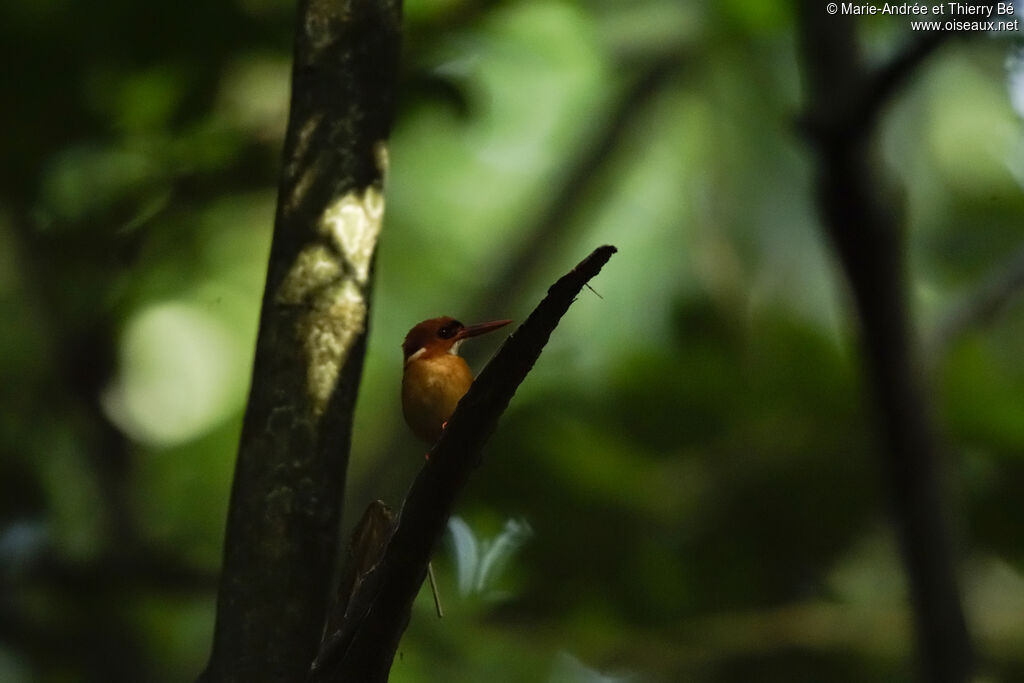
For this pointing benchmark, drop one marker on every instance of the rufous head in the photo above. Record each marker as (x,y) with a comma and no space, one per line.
(442,335)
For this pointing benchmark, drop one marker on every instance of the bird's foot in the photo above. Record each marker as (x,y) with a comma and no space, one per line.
(443,425)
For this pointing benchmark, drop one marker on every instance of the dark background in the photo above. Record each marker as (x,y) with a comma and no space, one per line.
(685,488)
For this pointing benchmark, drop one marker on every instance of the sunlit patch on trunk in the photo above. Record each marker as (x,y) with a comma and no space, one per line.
(330,279)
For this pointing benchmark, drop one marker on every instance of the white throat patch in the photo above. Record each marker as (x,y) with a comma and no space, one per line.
(454,350)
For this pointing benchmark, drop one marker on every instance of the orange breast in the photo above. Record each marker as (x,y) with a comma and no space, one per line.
(431,388)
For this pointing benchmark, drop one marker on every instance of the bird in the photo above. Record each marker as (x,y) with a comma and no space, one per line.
(435,377)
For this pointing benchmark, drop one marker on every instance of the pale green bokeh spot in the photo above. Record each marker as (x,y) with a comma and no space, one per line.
(972,130)
(182,372)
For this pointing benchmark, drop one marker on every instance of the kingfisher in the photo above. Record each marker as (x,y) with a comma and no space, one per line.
(435,376)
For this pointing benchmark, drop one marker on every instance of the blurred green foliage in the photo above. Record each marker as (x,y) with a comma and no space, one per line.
(692,452)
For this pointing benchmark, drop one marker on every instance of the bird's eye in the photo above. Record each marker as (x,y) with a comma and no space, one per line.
(449,330)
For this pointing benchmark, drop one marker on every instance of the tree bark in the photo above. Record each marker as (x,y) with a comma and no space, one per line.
(289,477)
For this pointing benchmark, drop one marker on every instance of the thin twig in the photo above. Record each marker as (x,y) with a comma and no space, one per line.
(434,591)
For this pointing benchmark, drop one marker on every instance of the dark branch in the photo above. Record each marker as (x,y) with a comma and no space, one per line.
(283,518)
(554,225)
(873,89)
(367,646)
(883,84)
(863,218)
